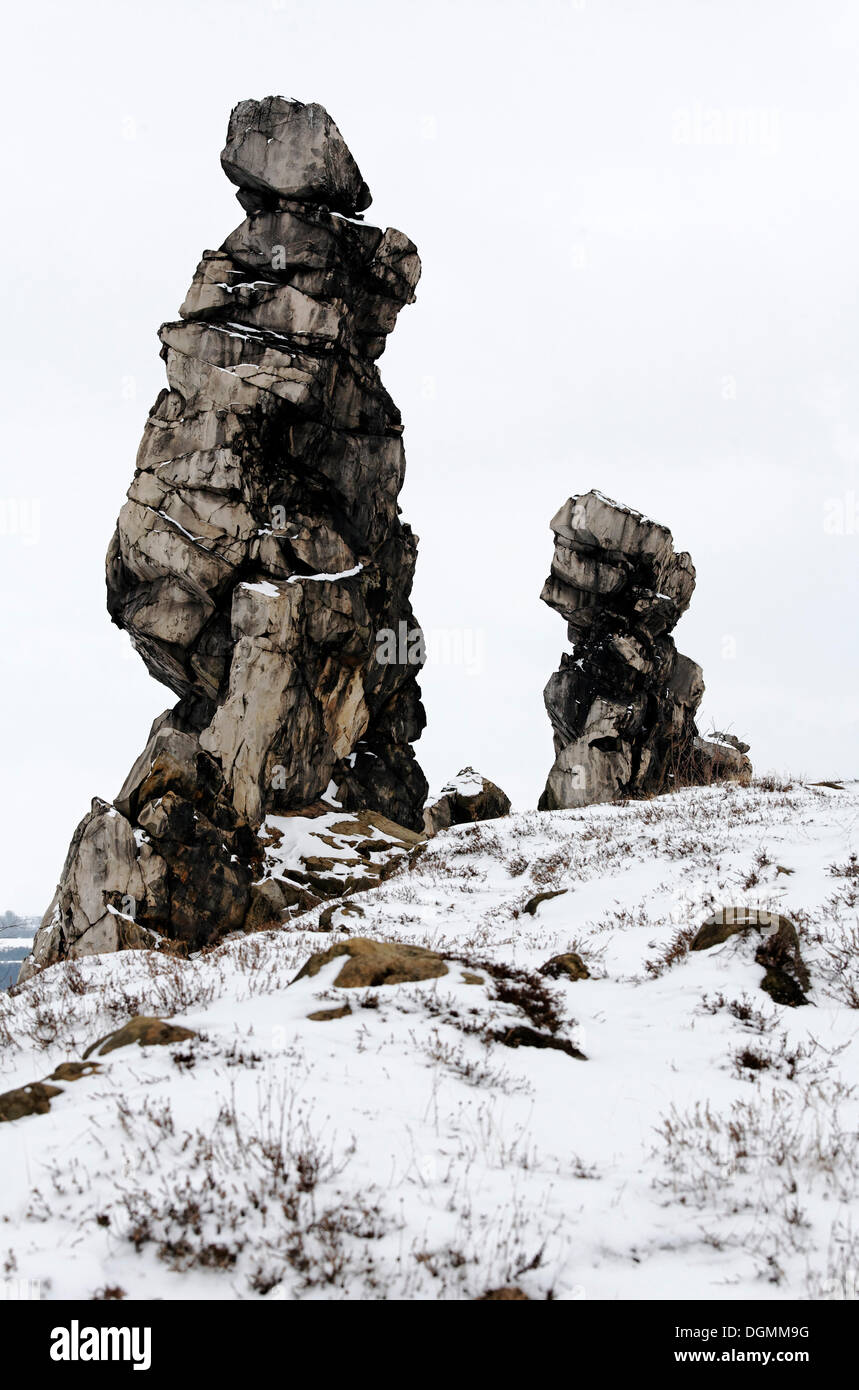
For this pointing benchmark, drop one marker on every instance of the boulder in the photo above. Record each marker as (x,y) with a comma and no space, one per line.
(321,854)
(468,797)
(786,979)
(292,149)
(568,966)
(74,1071)
(523,1036)
(145,1032)
(546,896)
(372,963)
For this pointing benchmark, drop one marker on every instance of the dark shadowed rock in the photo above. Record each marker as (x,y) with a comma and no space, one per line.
(467,798)
(523,1036)
(546,896)
(787,977)
(568,966)
(623,705)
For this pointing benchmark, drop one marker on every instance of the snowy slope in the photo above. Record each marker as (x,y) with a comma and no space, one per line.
(706,1148)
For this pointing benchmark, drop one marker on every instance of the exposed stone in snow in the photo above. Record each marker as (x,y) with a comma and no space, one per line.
(623,707)
(467,798)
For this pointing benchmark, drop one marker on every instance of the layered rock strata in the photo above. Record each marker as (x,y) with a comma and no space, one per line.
(259,554)
(623,704)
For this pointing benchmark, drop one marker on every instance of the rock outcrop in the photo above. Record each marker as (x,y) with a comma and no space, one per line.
(786,977)
(467,798)
(258,556)
(371,963)
(623,704)
(323,854)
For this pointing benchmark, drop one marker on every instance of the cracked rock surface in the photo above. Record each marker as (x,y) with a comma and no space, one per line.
(258,555)
(623,705)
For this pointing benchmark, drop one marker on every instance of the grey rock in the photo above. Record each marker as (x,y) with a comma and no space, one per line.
(467,798)
(730,739)
(292,150)
(623,705)
(258,554)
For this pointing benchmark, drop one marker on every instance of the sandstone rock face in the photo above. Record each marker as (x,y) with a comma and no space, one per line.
(258,555)
(467,798)
(27,1100)
(623,705)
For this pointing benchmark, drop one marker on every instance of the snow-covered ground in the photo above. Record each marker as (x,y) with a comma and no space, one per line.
(707,1147)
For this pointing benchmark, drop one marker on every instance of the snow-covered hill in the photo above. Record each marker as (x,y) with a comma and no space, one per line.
(706,1147)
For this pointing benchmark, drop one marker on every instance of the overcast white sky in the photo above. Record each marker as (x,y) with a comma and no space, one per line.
(639,226)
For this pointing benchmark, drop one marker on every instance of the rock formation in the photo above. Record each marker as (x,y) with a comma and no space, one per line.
(786,977)
(467,798)
(259,554)
(623,704)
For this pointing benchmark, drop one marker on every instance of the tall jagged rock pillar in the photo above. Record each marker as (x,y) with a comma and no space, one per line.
(259,554)
(623,705)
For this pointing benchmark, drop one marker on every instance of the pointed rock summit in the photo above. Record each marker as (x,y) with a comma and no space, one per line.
(258,556)
(623,704)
